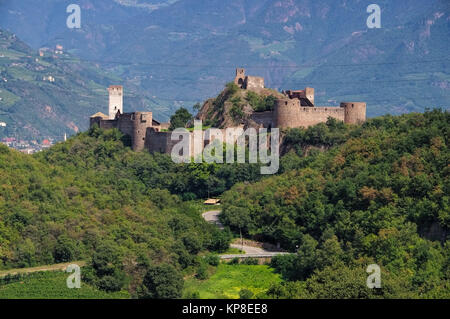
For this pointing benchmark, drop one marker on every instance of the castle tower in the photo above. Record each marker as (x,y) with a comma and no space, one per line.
(354,112)
(115,100)
(286,113)
(240,77)
(309,93)
(142,120)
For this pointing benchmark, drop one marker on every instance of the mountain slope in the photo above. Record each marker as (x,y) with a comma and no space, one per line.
(52,94)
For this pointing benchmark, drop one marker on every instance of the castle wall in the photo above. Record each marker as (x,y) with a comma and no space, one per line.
(125,124)
(159,141)
(133,125)
(102,123)
(289,113)
(253,83)
(94,120)
(265,119)
(314,115)
(107,124)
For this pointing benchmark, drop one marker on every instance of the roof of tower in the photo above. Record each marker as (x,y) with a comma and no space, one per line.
(99,114)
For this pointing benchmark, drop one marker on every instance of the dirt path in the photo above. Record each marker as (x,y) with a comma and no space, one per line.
(212,216)
(53,267)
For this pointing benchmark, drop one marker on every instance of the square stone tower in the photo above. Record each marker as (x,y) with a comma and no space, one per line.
(115,100)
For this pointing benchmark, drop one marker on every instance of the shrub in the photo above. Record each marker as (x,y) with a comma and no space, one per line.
(202,272)
(111,283)
(250,261)
(65,250)
(245,294)
(212,260)
(161,282)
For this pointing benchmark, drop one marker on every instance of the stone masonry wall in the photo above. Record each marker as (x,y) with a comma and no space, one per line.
(289,113)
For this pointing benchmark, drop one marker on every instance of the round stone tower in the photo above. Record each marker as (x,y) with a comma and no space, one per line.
(354,112)
(142,120)
(286,113)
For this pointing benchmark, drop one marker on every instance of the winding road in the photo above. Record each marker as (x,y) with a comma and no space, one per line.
(212,216)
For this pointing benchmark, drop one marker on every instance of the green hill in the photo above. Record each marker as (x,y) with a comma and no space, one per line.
(93,199)
(378,194)
(346,196)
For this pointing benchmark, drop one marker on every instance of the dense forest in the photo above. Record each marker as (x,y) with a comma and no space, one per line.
(92,198)
(345,197)
(378,194)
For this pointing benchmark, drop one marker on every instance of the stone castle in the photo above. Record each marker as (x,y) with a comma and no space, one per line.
(295,109)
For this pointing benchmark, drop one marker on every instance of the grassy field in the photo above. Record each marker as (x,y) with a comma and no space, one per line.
(52,285)
(228,280)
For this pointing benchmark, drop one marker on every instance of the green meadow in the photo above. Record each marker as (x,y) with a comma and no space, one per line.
(229,279)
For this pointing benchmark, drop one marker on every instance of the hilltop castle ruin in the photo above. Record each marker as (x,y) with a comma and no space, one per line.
(295,109)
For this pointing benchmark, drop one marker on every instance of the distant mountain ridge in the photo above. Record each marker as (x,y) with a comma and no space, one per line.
(184,52)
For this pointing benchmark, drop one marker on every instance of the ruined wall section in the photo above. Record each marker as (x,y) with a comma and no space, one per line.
(240,77)
(253,83)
